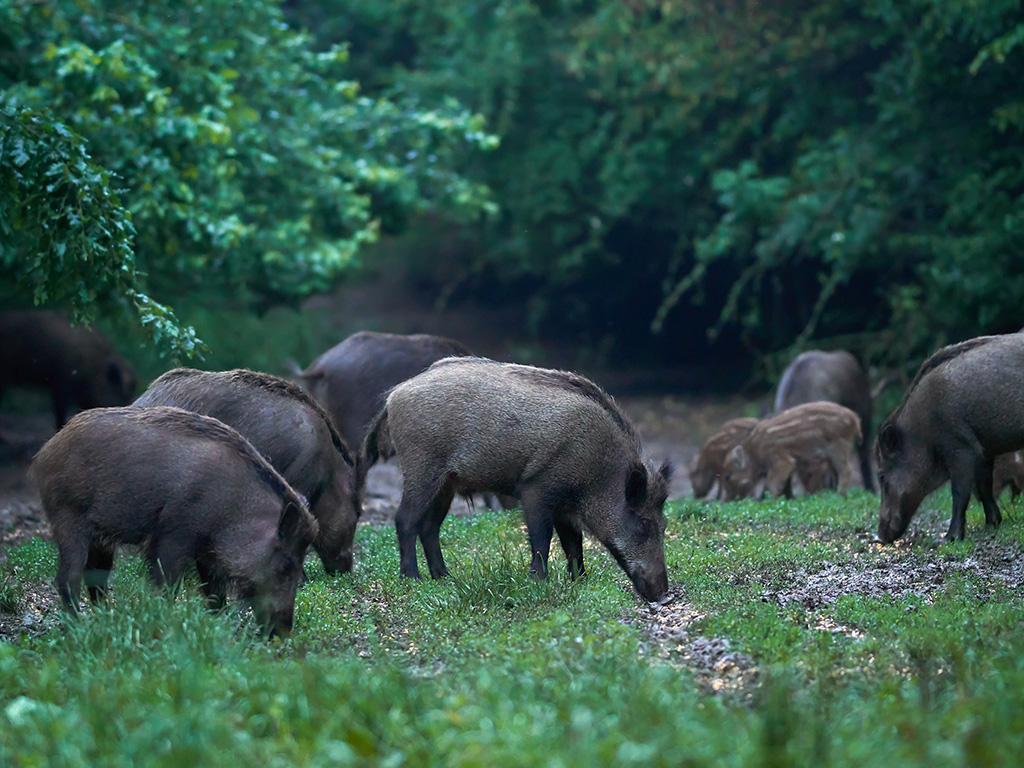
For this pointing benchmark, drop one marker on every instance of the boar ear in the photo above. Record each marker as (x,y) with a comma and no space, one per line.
(290,526)
(636,485)
(737,457)
(665,470)
(890,440)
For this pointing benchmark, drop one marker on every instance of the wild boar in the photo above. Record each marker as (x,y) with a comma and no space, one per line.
(186,488)
(1008,472)
(553,439)
(838,378)
(77,365)
(963,408)
(806,434)
(291,431)
(706,467)
(351,379)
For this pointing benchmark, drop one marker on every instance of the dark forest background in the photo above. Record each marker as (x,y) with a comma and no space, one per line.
(664,183)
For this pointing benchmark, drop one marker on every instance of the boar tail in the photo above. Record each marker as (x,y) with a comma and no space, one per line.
(377,444)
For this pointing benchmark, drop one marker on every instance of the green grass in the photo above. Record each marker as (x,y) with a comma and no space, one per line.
(490,667)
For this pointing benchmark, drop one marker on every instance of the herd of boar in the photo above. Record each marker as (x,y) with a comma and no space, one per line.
(241,472)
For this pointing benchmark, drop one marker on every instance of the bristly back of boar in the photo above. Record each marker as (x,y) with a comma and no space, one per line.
(565,380)
(944,355)
(274,385)
(191,424)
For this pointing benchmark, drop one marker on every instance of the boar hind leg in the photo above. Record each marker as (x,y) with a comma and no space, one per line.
(97,570)
(167,558)
(412,509)
(538,515)
(839,466)
(983,483)
(571,538)
(430,530)
(72,552)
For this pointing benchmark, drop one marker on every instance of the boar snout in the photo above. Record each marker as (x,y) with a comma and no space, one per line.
(340,563)
(652,587)
(894,515)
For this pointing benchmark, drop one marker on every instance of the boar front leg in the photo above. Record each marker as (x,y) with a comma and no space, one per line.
(72,552)
(780,470)
(539,516)
(97,570)
(415,505)
(167,557)
(571,538)
(213,585)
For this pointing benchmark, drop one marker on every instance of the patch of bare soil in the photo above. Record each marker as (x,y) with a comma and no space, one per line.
(896,572)
(716,668)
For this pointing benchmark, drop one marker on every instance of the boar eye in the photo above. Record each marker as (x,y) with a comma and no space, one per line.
(283,565)
(644,526)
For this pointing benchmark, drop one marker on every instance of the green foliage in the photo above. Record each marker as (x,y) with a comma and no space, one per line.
(491,667)
(791,174)
(209,141)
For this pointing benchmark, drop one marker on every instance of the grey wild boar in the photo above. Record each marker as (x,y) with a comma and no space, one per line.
(291,431)
(184,487)
(76,365)
(805,434)
(352,378)
(838,378)
(706,467)
(1008,472)
(964,407)
(553,439)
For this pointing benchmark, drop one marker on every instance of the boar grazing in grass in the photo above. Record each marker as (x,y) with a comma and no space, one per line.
(291,431)
(838,378)
(78,366)
(351,379)
(806,435)
(964,407)
(553,439)
(184,487)
(706,468)
(1008,472)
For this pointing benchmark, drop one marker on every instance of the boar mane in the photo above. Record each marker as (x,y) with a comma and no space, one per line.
(889,436)
(571,382)
(564,380)
(943,355)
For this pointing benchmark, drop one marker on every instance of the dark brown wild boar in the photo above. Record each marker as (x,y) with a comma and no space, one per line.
(838,378)
(553,439)
(964,407)
(291,431)
(77,365)
(351,379)
(805,434)
(183,486)
(1008,472)
(706,467)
